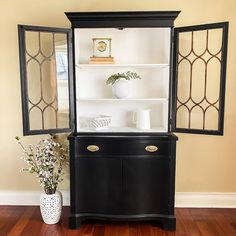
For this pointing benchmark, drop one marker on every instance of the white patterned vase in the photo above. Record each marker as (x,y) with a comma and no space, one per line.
(51,207)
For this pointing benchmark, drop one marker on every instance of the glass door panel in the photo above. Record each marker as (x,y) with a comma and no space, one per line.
(45,55)
(199,78)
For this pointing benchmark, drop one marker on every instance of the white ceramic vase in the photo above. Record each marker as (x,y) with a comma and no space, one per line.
(120,89)
(51,207)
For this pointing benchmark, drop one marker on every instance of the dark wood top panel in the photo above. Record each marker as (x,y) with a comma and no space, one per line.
(122,19)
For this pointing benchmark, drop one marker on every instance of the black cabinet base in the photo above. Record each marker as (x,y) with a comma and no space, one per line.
(167,222)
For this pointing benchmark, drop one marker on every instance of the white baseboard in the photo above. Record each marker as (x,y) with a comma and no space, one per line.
(205,200)
(182,199)
(27,197)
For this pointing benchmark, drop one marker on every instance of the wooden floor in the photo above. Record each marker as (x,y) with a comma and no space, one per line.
(26,221)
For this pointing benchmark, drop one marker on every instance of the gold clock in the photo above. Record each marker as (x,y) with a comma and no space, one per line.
(101,46)
(101,51)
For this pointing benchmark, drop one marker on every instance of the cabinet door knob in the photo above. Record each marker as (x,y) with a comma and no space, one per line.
(93,148)
(151,148)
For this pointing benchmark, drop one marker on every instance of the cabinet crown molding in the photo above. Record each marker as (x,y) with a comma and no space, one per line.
(122,19)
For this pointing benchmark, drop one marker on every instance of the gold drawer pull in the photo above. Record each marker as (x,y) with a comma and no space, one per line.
(93,148)
(151,148)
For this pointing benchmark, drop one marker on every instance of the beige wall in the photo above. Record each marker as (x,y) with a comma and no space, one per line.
(204,163)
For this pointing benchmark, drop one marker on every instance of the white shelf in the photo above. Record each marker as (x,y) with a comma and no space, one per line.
(145,51)
(101,66)
(124,129)
(122,99)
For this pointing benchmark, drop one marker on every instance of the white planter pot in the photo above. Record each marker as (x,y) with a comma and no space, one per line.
(51,207)
(120,89)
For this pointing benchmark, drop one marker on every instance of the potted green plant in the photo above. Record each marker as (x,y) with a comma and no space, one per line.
(47,160)
(120,85)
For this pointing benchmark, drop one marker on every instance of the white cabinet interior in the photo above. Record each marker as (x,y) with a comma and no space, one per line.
(145,51)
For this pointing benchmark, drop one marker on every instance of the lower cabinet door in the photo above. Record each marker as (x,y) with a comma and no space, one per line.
(99,185)
(146,185)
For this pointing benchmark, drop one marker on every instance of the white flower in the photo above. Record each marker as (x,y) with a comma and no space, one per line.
(46,159)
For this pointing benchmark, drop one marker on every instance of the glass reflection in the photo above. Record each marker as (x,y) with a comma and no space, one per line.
(47,79)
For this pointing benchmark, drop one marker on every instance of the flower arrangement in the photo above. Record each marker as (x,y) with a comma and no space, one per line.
(47,160)
(128,76)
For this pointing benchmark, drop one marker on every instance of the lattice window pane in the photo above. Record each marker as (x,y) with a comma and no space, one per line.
(200,78)
(45,77)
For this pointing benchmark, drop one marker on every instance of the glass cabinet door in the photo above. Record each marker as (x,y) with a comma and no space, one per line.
(46,79)
(199,78)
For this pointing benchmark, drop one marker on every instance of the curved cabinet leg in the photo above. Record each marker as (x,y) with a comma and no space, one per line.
(169,224)
(75,222)
(165,223)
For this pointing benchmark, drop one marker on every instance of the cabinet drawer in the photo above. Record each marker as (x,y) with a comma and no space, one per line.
(112,146)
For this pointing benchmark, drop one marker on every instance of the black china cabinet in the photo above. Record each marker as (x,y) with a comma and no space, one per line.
(119,169)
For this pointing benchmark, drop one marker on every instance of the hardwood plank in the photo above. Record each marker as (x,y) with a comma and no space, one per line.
(22,222)
(34,224)
(87,229)
(224,224)
(133,229)
(99,230)
(230,216)
(158,232)
(4,214)
(122,229)
(188,223)
(27,221)
(207,229)
(9,217)
(48,230)
(145,229)
(180,227)
(109,230)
